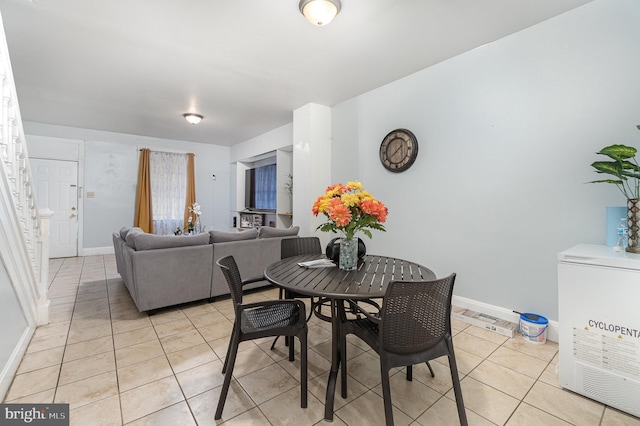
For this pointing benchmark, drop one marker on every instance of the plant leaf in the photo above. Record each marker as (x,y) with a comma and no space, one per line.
(618,152)
(609,167)
(327,227)
(615,182)
(630,174)
(629,166)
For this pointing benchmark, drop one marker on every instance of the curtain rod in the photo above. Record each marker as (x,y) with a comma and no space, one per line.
(169,152)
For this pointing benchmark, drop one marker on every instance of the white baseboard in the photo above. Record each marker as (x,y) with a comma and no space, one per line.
(97,251)
(11,367)
(502,313)
(44,313)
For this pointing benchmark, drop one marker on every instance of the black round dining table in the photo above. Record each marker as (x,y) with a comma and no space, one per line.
(369,281)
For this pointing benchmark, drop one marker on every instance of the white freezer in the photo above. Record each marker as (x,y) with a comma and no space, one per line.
(599,325)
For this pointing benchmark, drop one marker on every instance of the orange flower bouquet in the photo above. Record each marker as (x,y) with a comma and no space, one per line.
(350,209)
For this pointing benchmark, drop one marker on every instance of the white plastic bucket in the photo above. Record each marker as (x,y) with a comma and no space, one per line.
(533,328)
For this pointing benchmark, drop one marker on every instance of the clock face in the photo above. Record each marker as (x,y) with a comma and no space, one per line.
(398,150)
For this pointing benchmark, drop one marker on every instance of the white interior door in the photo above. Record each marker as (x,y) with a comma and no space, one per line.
(57,189)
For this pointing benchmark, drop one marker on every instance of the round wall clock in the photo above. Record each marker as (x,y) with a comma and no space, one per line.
(398,150)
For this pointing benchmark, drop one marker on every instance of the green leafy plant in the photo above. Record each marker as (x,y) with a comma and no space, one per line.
(288,186)
(624,168)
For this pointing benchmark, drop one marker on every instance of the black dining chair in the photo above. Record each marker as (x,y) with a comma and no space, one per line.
(261,319)
(290,247)
(298,246)
(413,326)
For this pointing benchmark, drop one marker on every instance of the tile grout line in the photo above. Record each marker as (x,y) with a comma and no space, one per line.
(72,320)
(486,358)
(175,376)
(113,342)
(520,402)
(66,343)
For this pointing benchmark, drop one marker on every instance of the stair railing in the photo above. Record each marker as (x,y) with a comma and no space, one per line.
(24,231)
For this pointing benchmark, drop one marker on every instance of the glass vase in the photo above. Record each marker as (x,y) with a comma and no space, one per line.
(633,222)
(348,254)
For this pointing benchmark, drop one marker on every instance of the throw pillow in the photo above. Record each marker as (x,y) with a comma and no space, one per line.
(223,237)
(153,242)
(269,232)
(130,234)
(123,232)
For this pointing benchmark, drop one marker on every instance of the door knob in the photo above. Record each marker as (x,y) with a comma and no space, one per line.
(73,208)
(73,215)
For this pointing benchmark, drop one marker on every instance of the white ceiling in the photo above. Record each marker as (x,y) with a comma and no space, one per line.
(135,66)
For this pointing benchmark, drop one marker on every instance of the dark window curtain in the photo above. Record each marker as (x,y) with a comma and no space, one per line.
(265,188)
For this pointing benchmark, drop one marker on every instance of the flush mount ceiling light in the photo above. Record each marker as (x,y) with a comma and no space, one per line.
(192,118)
(320,12)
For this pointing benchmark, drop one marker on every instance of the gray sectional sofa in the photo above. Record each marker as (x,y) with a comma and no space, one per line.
(161,271)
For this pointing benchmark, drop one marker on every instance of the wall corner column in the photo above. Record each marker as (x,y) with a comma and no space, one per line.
(311,164)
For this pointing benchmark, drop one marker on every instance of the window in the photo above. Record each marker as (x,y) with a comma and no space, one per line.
(168,177)
(265,187)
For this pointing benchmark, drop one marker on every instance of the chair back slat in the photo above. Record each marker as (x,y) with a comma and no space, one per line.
(232,275)
(416,315)
(290,247)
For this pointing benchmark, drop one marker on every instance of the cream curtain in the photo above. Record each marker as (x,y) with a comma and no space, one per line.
(168,173)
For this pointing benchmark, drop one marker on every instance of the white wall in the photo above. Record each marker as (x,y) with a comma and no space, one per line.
(111,171)
(507,133)
(311,165)
(14,330)
(279,138)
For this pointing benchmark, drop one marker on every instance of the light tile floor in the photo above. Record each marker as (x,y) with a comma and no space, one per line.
(117,366)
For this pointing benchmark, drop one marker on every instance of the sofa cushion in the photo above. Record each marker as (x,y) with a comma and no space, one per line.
(152,242)
(130,234)
(269,232)
(123,232)
(223,237)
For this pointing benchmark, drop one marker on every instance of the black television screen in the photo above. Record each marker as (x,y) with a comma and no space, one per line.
(260,188)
